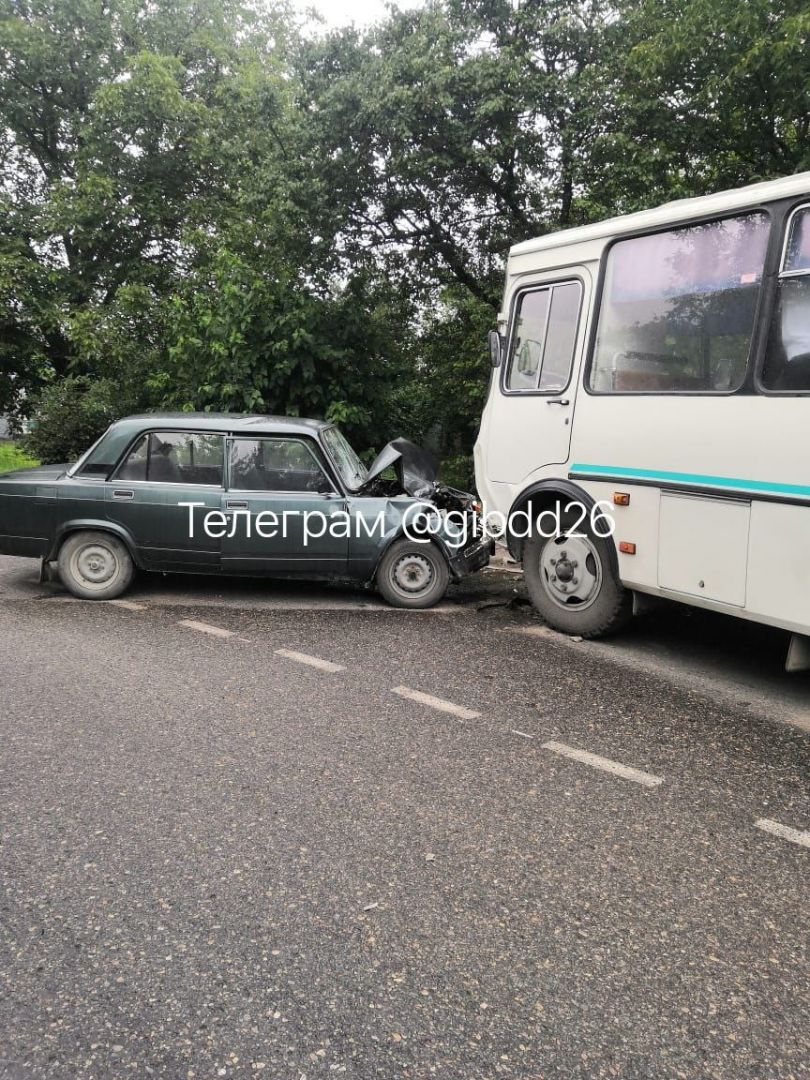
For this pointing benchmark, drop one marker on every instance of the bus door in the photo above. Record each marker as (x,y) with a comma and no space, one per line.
(534,405)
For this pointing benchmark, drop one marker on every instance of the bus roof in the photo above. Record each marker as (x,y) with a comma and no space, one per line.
(680,210)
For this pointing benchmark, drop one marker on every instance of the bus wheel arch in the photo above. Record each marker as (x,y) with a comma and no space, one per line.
(539,497)
(572,574)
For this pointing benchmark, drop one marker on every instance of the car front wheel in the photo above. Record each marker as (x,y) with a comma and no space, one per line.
(412,575)
(95,565)
(572,583)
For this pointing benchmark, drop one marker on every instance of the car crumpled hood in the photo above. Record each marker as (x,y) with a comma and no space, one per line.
(415,467)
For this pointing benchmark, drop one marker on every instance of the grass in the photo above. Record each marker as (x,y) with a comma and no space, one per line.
(11,457)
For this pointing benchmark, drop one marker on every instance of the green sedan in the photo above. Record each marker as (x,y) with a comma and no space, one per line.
(245,495)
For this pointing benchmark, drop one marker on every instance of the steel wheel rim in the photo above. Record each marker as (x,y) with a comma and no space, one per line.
(412,574)
(94,566)
(571,572)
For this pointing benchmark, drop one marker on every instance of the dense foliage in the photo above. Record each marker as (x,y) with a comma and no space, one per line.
(72,413)
(203,207)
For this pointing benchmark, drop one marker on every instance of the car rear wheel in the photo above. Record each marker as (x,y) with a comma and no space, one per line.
(95,565)
(572,583)
(412,575)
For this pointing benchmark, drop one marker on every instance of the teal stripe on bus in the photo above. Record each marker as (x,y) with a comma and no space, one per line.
(699,479)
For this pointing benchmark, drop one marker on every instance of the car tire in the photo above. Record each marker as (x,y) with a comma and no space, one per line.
(95,565)
(586,599)
(412,575)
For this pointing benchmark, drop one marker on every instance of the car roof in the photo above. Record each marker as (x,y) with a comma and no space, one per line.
(120,435)
(224,422)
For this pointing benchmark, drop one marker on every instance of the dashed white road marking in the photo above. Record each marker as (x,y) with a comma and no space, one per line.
(605,764)
(784,832)
(522,734)
(436,703)
(130,605)
(206,628)
(311,661)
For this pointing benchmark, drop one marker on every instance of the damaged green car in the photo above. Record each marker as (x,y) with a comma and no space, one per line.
(243,495)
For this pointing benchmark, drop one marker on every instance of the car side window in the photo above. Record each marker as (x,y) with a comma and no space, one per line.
(276,465)
(175,457)
(543,338)
(787,359)
(134,467)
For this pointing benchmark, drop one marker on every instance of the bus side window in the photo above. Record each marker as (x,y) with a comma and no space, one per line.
(678,308)
(787,359)
(543,339)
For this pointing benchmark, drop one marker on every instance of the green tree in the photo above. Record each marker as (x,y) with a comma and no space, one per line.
(112,125)
(450,132)
(266,339)
(209,211)
(443,136)
(706,95)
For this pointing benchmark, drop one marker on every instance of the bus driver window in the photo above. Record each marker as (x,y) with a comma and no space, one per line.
(787,361)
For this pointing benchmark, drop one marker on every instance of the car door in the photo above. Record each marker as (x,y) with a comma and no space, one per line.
(283,513)
(161,494)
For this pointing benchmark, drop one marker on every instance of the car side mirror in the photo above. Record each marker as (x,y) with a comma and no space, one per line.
(495,348)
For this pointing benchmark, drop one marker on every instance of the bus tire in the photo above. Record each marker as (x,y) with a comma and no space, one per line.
(572,581)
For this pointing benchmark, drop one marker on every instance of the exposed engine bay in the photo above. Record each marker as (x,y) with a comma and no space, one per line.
(416,470)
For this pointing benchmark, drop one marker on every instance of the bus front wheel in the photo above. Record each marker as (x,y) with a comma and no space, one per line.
(571,580)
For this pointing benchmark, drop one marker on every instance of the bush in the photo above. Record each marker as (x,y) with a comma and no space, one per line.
(69,416)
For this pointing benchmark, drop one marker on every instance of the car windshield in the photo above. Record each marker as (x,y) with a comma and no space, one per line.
(352,470)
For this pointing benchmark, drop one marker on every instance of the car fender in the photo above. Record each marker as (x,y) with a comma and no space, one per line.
(94,525)
(399,533)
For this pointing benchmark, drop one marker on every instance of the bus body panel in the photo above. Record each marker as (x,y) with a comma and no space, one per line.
(719,483)
(779,565)
(687,563)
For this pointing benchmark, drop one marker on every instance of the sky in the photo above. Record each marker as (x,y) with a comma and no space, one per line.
(360,12)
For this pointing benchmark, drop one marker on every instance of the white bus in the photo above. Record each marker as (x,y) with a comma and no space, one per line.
(657,367)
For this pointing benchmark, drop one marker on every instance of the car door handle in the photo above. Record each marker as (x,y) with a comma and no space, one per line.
(558,401)
(234,504)
(121,494)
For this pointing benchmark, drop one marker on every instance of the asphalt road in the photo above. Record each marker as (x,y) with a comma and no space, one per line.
(238,839)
